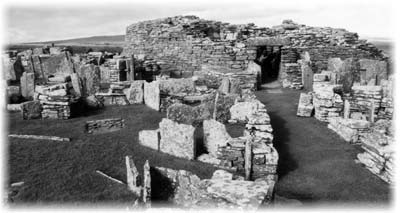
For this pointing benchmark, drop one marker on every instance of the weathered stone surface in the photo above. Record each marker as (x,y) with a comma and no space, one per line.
(259,119)
(31,110)
(188,190)
(93,103)
(186,114)
(90,78)
(27,85)
(51,90)
(224,103)
(104,125)
(76,84)
(14,107)
(305,106)
(175,86)
(215,135)
(222,175)
(150,138)
(335,65)
(206,158)
(224,87)
(348,129)
(57,64)
(375,70)
(146,184)
(234,86)
(135,93)
(243,110)
(152,95)
(177,139)
(242,194)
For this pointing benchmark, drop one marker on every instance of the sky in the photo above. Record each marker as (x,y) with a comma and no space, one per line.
(28,21)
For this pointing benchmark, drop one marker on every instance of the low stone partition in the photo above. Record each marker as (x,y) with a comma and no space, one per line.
(349,129)
(104,125)
(172,138)
(379,149)
(223,190)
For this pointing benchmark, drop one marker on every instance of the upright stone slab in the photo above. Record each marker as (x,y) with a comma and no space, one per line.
(346,109)
(146,184)
(27,85)
(152,95)
(375,70)
(90,78)
(76,84)
(234,86)
(305,106)
(177,139)
(215,135)
(224,87)
(135,92)
(150,138)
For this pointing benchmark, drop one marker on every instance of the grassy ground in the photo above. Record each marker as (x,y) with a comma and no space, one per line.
(65,171)
(315,164)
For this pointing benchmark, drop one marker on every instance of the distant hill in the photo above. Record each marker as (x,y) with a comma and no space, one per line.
(113,40)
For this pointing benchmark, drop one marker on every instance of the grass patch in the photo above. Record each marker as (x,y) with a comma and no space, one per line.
(65,171)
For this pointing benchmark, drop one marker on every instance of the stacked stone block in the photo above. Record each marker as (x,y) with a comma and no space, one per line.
(362,98)
(379,151)
(327,103)
(55,101)
(349,129)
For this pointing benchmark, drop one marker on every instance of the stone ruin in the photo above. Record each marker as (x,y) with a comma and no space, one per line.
(203,74)
(251,159)
(186,46)
(355,98)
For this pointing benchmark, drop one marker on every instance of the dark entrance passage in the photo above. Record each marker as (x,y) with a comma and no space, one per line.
(269,58)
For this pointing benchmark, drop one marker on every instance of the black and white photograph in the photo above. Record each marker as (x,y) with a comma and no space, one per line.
(274,105)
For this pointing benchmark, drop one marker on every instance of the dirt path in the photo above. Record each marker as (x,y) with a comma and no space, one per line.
(316,164)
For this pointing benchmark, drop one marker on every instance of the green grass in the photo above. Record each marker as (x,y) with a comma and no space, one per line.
(65,171)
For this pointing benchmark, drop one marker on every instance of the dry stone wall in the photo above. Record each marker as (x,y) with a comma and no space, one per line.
(184,45)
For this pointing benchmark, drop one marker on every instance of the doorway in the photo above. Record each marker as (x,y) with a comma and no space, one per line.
(269,58)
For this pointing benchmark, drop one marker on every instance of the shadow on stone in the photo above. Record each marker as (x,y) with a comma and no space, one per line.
(162,189)
(200,147)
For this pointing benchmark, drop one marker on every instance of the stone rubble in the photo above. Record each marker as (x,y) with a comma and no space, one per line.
(104,125)
(56,101)
(221,191)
